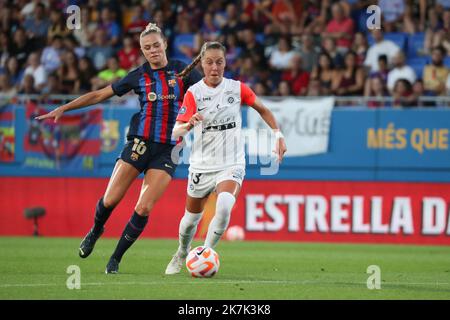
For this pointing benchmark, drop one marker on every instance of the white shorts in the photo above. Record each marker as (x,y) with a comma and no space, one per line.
(200,184)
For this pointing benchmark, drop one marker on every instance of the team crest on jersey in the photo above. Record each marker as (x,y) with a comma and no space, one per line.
(152,96)
(172,82)
(230,100)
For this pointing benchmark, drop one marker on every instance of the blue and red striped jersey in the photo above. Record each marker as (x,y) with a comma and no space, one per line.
(160,95)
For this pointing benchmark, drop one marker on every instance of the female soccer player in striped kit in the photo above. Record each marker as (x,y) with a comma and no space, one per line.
(160,85)
(217,162)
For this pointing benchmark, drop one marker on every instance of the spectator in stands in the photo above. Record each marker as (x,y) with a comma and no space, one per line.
(435,75)
(329,46)
(444,34)
(438,34)
(209,31)
(360,47)
(380,47)
(324,72)
(383,68)
(27,86)
(281,57)
(192,12)
(37,26)
(247,72)
(396,16)
(253,48)
(51,56)
(284,89)
(234,50)
(350,80)
(420,92)
(100,51)
(5,49)
(138,21)
(85,35)
(447,85)
(382,73)
(129,54)
(433,26)
(314,17)
(87,73)
(37,70)
(53,85)
(341,28)
(261,89)
(296,77)
(21,47)
(283,15)
(308,52)
(376,88)
(71,44)
(111,27)
(15,74)
(7,90)
(57,25)
(400,71)
(28,9)
(69,73)
(403,94)
(283,10)
(232,24)
(10,17)
(108,76)
(314,88)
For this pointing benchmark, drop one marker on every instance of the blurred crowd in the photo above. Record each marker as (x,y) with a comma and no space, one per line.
(277,47)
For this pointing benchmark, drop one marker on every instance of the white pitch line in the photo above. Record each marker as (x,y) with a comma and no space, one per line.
(306,282)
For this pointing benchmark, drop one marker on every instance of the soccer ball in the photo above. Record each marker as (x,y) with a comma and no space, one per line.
(202,262)
(235,233)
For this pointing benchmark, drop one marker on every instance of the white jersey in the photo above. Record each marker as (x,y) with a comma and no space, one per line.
(218,143)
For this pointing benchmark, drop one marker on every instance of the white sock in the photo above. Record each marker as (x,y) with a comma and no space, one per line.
(218,225)
(187,229)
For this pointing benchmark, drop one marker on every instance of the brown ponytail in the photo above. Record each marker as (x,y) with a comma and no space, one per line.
(206,46)
(189,68)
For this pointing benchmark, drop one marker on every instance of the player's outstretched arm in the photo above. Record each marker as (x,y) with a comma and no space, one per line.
(181,128)
(85,100)
(268,117)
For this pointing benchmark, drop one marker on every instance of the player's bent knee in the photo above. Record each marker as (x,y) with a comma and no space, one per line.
(110,202)
(225,203)
(144,209)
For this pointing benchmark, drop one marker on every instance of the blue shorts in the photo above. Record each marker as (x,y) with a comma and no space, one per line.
(144,155)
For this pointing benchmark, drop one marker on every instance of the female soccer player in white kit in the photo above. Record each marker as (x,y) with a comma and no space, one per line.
(212,107)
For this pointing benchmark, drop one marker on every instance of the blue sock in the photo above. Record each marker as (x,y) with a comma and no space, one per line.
(132,231)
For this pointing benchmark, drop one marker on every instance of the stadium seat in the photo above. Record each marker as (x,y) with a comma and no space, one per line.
(260,38)
(398,38)
(418,64)
(447,62)
(186,39)
(415,44)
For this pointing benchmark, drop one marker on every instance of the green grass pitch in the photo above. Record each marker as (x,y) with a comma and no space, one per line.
(35,268)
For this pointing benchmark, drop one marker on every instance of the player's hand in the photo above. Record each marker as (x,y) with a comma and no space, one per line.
(195,119)
(56,113)
(280,149)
